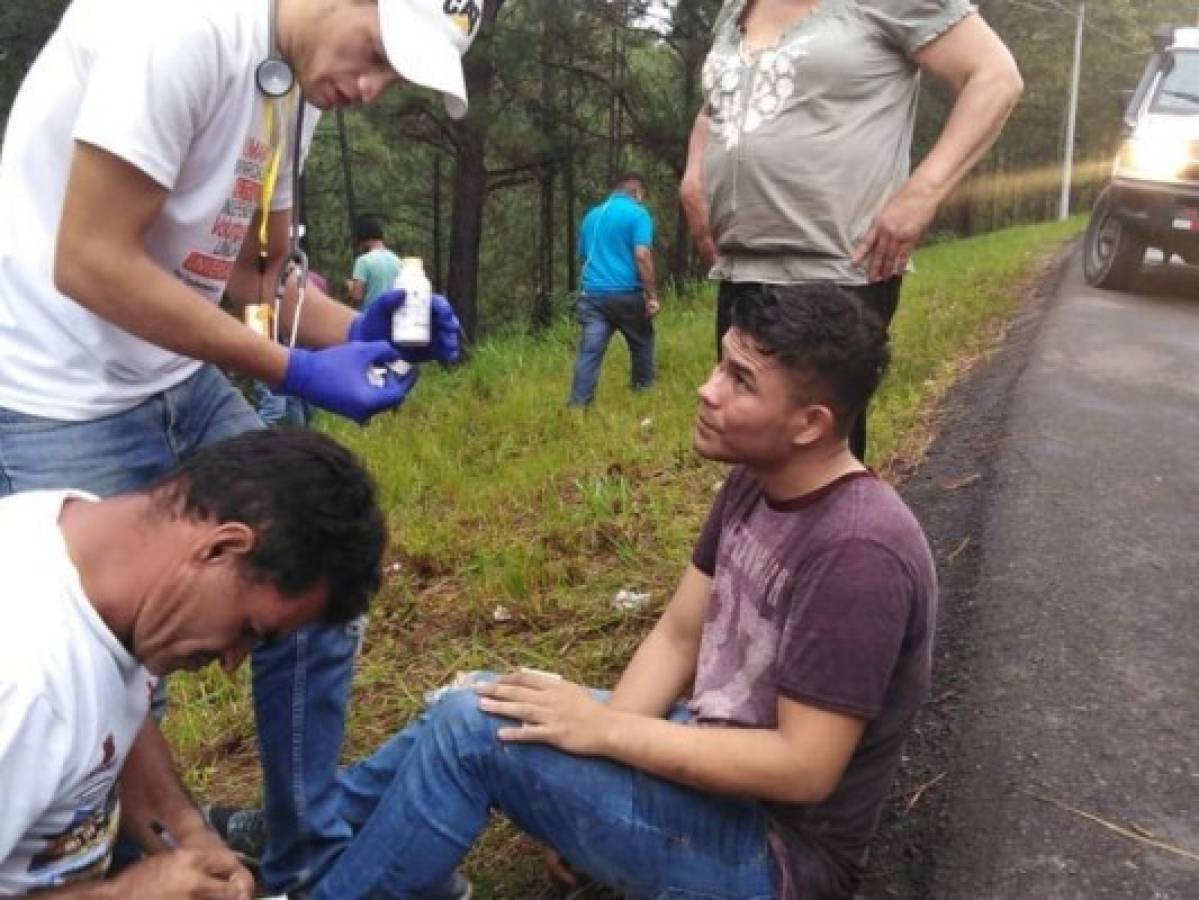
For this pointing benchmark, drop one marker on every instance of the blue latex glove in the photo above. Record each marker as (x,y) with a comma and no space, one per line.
(339,378)
(375,325)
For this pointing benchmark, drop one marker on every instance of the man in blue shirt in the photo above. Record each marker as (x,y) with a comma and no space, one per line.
(375,270)
(619,289)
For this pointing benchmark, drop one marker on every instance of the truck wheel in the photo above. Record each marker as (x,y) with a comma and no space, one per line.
(1112,253)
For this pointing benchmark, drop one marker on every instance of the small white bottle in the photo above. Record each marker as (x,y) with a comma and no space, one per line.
(411,326)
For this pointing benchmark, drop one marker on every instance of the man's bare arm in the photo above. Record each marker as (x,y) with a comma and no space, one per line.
(101,263)
(663,667)
(323,320)
(150,791)
(800,761)
(644,258)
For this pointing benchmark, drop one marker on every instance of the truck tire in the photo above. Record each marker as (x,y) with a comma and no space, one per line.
(1112,253)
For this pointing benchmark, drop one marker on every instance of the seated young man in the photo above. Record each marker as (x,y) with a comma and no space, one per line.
(245,541)
(801,632)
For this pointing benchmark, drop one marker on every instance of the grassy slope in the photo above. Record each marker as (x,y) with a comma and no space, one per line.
(499,496)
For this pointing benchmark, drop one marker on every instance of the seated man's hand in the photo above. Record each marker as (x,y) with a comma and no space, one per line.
(187,874)
(352,379)
(547,710)
(374,324)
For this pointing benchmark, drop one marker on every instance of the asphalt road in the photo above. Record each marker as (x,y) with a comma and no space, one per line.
(1064,514)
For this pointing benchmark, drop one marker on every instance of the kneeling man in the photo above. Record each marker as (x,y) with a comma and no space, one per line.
(244,542)
(801,632)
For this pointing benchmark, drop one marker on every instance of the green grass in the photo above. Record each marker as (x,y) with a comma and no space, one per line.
(499,496)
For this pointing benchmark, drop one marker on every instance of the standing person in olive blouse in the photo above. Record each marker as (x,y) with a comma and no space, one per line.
(798,165)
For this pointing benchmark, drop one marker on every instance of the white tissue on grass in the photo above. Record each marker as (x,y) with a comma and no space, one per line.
(626,599)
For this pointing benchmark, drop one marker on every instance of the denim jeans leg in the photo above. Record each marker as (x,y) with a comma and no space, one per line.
(642,835)
(272,407)
(640,338)
(626,313)
(593,344)
(107,456)
(301,693)
(279,409)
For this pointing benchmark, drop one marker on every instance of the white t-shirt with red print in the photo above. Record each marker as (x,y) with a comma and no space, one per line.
(167,86)
(72,700)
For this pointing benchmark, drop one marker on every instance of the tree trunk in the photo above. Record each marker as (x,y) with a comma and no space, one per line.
(347,174)
(542,311)
(568,180)
(466,225)
(437,227)
(470,179)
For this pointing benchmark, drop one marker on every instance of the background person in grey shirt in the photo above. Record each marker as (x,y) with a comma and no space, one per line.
(798,165)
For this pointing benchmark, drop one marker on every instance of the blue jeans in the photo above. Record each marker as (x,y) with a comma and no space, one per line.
(301,683)
(600,316)
(419,803)
(275,409)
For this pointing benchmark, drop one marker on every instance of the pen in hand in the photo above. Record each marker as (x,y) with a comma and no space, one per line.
(171,842)
(160,831)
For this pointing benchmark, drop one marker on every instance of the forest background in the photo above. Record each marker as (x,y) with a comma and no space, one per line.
(565,93)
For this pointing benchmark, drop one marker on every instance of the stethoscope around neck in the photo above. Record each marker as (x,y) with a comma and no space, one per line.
(274,76)
(275,80)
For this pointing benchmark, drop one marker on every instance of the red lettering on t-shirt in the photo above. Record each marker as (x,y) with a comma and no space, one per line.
(208,266)
(256,150)
(245,189)
(229,229)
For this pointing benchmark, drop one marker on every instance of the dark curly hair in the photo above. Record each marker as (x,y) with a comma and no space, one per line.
(368,228)
(311,504)
(832,344)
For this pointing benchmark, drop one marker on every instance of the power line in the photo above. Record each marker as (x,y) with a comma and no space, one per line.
(1056,6)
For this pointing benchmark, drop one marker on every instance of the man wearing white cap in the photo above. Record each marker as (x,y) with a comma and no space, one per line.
(148,170)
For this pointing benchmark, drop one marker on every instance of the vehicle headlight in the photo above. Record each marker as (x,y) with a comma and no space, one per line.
(1157,156)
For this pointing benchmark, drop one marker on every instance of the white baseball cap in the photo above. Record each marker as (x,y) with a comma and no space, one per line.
(425,41)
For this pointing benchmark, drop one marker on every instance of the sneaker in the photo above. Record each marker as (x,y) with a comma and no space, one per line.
(244,830)
(456,887)
(459,887)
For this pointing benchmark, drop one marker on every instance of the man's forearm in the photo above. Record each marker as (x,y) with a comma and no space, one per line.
(324,321)
(645,269)
(753,762)
(150,791)
(663,668)
(135,294)
(659,673)
(91,890)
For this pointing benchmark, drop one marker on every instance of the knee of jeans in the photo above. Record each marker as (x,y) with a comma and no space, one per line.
(457,719)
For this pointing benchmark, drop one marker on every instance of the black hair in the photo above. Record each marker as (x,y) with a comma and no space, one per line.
(627,178)
(368,228)
(825,336)
(311,504)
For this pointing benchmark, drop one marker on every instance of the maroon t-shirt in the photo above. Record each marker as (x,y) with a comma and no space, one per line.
(828,600)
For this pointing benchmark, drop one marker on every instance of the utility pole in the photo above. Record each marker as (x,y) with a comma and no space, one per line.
(1068,160)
